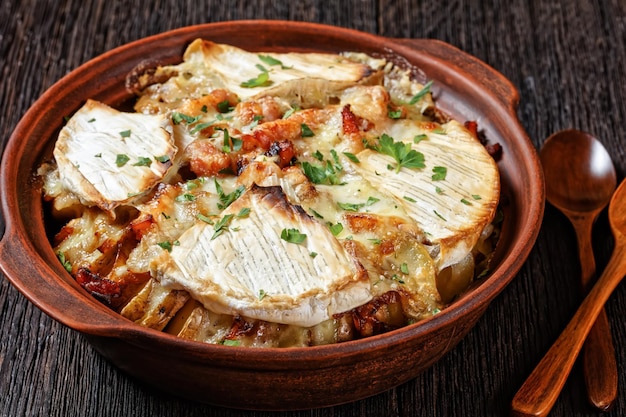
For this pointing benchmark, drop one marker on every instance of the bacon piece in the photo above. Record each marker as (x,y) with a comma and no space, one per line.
(472,126)
(239,327)
(103,289)
(141,225)
(351,122)
(285,151)
(205,160)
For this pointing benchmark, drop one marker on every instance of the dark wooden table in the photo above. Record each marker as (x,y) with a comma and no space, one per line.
(568,60)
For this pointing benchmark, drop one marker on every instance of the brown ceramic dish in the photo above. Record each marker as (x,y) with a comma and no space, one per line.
(271,379)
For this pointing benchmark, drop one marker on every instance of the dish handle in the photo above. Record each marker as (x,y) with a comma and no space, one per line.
(482,73)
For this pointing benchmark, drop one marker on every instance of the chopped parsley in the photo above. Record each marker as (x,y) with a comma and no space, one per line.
(420,94)
(143,162)
(230,143)
(204,218)
(262,80)
(351,206)
(162,158)
(121,159)
(419,138)
(476,197)
(244,212)
(178,118)
(464,201)
(351,157)
(231,342)
(439,173)
(292,236)
(262,294)
(306,131)
(271,61)
(66,264)
(125,133)
(335,229)
(227,199)
(224,107)
(439,215)
(183,198)
(222,225)
(394,114)
(410,199)
(321,174)
(404,268)
(403,154)
(167,245)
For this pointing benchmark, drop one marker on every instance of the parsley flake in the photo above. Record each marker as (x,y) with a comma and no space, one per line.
(335,229)
(439,173)
(143,162)
(222,225)
(420,94)
(306,131)
(121,159)
(125,133)
(66,264)
(167,245)
(227,199)
(292,236)
(262,80)
(162,158)
(351,157)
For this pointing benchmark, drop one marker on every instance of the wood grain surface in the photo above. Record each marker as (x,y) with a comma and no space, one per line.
(568,60)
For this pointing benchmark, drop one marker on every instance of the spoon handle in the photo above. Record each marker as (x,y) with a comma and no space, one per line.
(541,389)
(598,356)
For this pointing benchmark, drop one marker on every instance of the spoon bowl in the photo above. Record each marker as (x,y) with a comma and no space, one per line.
(579,173)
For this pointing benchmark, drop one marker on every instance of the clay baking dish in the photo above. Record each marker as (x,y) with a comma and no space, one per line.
(269,379)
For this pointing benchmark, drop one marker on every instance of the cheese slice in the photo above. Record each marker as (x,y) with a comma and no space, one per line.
(452,211)
(249,269)
(107,157)
(303,79)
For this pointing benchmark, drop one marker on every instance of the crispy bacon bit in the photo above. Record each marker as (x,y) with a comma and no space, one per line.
(387,247)
(495,150)
(101,288)
(380,315)
(141,225)
(350,121)
(361,222)
(239,327)
(472,126)
(205,160)
(285,151)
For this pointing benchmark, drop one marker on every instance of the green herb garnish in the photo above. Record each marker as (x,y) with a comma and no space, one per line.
(417,97)
(439,173)
(401,152)
(121,159)
(292,236)
(262,80)
(143,162)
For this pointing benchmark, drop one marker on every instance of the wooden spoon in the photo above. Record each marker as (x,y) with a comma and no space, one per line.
(580,180)
(540,391)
